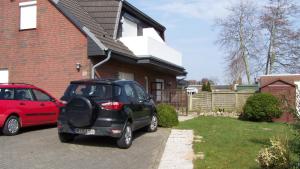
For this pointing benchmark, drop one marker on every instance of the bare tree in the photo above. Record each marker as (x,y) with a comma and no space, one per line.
(238,37)
(282,39)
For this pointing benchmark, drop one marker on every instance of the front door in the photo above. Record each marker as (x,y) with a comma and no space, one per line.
(29,109)
(48,110)
(136,109)
(144,103)
(157,88)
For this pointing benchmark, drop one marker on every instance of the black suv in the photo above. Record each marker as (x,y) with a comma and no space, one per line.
(106,108)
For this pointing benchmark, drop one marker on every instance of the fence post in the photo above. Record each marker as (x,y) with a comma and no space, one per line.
(212,108)
(190,102)
(236,101)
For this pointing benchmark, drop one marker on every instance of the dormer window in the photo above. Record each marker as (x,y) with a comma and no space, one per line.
(129,28)
(28,15)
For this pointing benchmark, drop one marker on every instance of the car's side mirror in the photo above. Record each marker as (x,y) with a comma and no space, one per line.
(53,100)
(149,97)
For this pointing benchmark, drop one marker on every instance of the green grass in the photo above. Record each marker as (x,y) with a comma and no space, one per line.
(231,143)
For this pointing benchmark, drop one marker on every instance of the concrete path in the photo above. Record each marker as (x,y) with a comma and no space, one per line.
(178,152)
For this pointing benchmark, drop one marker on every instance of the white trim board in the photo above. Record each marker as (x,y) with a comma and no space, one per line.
(27,3)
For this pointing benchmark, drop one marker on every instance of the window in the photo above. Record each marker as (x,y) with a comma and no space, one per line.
(40,96)
(4,76)
(126,76)
(28,15)
(140,92)
(98,91)
(129,28)
(6,94)
(23,94)
(129,91)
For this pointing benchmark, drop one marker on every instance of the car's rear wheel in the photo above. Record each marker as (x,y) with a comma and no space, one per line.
(11,126)
(125,140)
(154,123)
(66,137)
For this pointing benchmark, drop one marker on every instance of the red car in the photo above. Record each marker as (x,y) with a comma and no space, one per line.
(23,105)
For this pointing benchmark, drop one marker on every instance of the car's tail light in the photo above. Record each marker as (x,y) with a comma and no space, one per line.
(112,105)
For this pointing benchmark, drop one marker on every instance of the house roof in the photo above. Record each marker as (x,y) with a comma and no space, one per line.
(108,12)
(87,24)
(83,15)
(105,12)
(127,6)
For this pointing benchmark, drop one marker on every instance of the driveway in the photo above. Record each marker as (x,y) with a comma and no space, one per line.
(39,148)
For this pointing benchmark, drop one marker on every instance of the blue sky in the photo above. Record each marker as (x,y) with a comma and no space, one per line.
(190,30)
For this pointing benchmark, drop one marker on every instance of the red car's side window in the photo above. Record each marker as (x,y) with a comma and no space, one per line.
(23,94)
(6,94)
(41,96)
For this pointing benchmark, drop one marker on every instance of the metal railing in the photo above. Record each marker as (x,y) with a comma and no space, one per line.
(176,97)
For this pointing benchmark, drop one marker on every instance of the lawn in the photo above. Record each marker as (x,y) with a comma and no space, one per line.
(230,143)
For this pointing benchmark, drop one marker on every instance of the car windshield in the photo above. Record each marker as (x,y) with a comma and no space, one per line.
(99,91)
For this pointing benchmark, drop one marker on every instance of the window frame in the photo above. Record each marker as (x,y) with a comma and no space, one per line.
(29,90)
(135,87)
(24,5)
(36,99)
(134,98)
(13,94)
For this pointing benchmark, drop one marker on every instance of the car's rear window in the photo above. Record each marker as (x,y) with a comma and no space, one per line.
(6,94)
(99,91)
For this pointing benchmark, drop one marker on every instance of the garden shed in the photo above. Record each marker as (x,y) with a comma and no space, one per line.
(284,87)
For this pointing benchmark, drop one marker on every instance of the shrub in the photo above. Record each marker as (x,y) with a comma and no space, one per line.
(295,142)
(167,115)
(277,156)
(261,107)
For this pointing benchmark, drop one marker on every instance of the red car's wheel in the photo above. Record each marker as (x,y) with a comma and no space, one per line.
(11,126)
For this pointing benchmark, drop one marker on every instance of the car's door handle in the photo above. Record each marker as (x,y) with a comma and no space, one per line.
(22,104)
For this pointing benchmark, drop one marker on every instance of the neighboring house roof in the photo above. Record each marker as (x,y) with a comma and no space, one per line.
(278,80)
(221,87)
(267,79)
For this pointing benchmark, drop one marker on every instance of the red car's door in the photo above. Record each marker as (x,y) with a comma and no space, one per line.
(48,109)
(29,109)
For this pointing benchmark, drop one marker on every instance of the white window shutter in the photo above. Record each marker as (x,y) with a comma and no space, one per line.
(4,76)
(28,15)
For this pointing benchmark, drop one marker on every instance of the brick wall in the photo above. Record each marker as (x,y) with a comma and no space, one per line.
(45,56)
(113,67)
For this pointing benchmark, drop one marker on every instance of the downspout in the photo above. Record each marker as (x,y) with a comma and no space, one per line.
(101,46)
(108,56)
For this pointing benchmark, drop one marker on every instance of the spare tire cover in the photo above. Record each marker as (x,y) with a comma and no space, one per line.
(79,112)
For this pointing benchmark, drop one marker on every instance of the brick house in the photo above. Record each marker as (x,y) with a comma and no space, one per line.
(51,42)
(286,88)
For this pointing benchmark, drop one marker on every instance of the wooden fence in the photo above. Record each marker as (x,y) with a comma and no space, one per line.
(218,101)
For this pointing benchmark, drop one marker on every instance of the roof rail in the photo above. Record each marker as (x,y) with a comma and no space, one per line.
(18,83)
